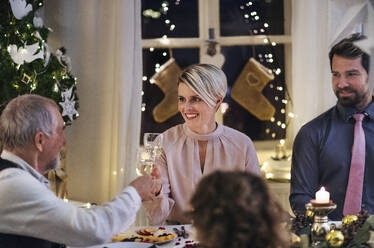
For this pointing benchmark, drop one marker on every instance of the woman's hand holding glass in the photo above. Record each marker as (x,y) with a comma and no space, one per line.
(156,176)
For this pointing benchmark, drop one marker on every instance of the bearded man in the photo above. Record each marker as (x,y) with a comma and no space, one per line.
(336,149)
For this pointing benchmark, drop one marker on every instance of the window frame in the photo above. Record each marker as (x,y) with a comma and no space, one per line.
(209,17)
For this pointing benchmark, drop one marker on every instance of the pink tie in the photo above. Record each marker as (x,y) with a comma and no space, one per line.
(353,196)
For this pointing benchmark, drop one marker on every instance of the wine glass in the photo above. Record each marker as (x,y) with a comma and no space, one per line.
(153,141)
(145,161)
(149,152)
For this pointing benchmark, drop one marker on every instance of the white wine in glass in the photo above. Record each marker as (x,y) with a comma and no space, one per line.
(145,161)
(147,154)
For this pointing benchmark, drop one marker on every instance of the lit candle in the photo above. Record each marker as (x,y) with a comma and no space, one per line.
(322,196)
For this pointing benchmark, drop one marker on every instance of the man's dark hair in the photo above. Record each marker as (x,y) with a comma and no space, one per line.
(347,49)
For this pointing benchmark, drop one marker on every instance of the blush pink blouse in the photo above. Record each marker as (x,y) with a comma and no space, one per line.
(227,149)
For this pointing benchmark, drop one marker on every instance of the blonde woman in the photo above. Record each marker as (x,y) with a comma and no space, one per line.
(197,147)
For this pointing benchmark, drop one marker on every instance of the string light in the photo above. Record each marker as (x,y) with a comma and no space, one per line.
(249,10)
(55,88)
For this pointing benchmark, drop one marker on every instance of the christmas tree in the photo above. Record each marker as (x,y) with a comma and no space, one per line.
(27,66)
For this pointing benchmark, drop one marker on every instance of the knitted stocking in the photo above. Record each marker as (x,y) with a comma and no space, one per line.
(166,79)
(248,87)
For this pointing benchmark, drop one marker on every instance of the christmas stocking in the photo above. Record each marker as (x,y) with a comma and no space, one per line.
(247,90)
(166,79)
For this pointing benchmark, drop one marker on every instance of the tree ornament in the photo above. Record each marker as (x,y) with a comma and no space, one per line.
(38,22)
(68,104)
(349,219)
(25,54)
(247,90)
(20,8)
(26,79)
(64,60)
(335,238)
(309,213)
(166,79)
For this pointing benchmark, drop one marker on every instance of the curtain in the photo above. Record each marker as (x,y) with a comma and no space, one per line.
(316,26)
(103,40)
(311,87)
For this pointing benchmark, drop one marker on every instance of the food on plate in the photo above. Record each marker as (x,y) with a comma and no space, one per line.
(188,244)
(147,235)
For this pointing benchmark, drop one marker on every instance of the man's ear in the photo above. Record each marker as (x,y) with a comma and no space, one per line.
(39,141)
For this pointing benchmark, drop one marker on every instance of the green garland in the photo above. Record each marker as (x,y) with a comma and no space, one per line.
(356,233)
(49,75)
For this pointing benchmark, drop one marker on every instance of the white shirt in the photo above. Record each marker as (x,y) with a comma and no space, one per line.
(29,208)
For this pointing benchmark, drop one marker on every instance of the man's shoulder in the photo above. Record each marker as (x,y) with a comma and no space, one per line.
(319,121)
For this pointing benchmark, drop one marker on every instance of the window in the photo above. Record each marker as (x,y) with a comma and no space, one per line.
(243,29)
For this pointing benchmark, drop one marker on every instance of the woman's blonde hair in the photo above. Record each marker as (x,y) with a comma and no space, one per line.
(208,81)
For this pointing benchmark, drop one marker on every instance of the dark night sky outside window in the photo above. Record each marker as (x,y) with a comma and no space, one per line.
(232,23)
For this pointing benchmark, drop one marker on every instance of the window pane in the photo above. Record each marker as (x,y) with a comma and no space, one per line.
(174,18)
(237,116)
(153,95)
(239,17)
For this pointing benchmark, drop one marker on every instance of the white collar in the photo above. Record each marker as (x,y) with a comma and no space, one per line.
(23,165)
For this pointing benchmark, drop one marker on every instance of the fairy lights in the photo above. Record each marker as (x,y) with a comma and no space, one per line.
(254,19)
(162,14)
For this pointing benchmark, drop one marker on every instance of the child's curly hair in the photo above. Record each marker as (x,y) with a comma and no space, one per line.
(235,209)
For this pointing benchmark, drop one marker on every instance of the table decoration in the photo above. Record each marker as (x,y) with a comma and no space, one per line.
(357,231)
(312,228)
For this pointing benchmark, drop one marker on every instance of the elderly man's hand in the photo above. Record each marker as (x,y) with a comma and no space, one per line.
(145,185)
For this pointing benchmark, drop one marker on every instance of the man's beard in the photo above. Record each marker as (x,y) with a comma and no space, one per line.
(54,164)
(349,101)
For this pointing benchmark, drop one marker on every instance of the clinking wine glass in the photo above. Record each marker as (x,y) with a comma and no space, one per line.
(153,141)
(148,154)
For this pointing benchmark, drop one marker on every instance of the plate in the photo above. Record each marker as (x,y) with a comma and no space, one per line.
(149,235)
(123,245)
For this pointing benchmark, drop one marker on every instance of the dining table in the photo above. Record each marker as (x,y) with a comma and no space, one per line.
(183,239)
